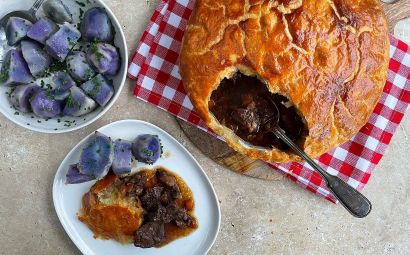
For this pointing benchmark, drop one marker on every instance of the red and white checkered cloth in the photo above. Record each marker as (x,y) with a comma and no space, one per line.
(155,69)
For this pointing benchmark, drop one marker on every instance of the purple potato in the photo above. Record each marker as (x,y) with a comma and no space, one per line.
(14,70)
(61,95)
(96,26)
(44,104)
(61,43)
(79,68)
(42,30)
(74,176)
(146,148)
(16,29)
(105,58)
(57,11)
(78,103)
(62,82)
(97,156)
(37,59)
(20,97)
(99,89)
(122,157)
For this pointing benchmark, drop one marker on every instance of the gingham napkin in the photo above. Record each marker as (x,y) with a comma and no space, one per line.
(155,69)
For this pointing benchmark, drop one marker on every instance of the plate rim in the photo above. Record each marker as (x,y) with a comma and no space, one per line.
(105,108)
(78,243)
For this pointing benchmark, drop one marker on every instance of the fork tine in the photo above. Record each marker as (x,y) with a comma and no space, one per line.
(36,5)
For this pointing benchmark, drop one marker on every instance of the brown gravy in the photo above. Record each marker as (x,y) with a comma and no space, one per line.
(242,103)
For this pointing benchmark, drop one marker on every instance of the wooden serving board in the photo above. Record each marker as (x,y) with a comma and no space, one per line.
(219,152)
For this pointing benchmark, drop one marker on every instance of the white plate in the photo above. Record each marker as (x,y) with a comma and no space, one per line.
(32,122)
(67,198)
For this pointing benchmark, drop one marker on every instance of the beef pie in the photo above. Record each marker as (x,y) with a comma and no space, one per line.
(322,62)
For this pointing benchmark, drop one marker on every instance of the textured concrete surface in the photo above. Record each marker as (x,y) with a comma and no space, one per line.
(258,217)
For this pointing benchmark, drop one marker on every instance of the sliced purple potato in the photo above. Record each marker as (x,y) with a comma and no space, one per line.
(78,103)
(146,148)
(74,176)
(61,95)
(62,82)
(20,97)
(99,89)
(97,156)
(57,11)
(42,30)
(14,70)
(121,164)
(37,59)
(79,67)
(105,58)
(61,43)
(44,104)
(97,26)
(16,29)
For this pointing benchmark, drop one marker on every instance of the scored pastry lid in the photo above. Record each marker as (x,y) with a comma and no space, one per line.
(329,58)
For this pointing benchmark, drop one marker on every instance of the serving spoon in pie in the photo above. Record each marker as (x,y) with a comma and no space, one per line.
(355,202)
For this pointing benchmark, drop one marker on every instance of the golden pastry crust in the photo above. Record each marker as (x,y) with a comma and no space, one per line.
(329,57)
(109,213)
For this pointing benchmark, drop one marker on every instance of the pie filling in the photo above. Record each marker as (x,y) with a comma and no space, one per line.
(245,105)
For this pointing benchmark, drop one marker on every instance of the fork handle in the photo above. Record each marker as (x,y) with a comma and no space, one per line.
(355,202)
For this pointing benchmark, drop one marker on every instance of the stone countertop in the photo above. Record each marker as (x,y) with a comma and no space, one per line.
(258,217)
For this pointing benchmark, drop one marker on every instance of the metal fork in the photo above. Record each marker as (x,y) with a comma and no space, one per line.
(29,14)
(354,202)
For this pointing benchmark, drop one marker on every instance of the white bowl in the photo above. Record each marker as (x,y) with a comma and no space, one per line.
(64,124)
(67,197)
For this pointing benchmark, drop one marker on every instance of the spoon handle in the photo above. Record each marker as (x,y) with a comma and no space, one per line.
(355,202)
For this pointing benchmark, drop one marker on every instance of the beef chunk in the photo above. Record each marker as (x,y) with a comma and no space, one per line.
(166,197)
(171,185)
(166,178)
(175,192)
(247,119)
(180,216)
(265,112)
(137,182)
(170,195)
(161,214)
(151,198)
(184,222)
(150,234)
(171,213)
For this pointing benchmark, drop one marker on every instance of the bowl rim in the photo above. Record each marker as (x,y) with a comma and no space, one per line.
(124,62)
